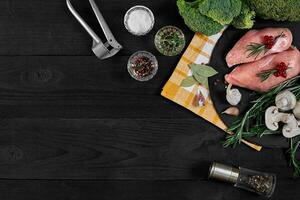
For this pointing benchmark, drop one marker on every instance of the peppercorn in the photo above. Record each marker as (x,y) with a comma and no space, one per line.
(142,66)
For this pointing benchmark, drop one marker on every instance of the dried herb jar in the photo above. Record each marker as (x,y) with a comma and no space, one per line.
(142,66)
(259,182)
(169,41)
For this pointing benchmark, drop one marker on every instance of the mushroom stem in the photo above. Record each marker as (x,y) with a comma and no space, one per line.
(273,117)
(291,129)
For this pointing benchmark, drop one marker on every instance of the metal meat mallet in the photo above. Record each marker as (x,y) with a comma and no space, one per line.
(100,49)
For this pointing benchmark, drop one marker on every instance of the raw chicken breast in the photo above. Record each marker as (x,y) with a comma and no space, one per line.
(239,54)
(245,75)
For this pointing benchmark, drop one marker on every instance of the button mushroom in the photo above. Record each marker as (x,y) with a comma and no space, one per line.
(285,100)
(296,110)
(273,117)
(291,129)
(233,96)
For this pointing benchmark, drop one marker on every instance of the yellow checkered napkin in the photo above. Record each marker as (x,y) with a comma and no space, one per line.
(199,51)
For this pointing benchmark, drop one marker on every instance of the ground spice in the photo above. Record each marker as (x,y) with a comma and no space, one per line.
(261,184)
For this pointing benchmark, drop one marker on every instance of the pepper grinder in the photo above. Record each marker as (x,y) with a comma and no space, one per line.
(254,181)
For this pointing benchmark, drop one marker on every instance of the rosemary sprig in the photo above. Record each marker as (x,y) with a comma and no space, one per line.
(264,75)
(255,49)
(242,128)
(294,145)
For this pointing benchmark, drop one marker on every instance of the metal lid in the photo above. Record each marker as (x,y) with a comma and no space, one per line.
(223,172)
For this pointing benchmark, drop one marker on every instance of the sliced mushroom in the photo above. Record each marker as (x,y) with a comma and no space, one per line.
(292,127)
(285,100)
(273,117)
(296,110)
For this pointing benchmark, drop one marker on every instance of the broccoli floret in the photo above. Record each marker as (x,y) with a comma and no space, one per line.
(279,10)
(222,11)
(195,20)
(246,18)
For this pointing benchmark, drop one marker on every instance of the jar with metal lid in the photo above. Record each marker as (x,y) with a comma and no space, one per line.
(259,182)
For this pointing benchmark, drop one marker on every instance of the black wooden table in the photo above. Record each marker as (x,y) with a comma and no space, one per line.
(75,127)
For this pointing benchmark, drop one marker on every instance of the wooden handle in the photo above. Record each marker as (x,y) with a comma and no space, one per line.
(253,146)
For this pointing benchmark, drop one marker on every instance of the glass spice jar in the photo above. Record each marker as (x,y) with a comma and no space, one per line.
(169,41)
(142,66)
(259,182)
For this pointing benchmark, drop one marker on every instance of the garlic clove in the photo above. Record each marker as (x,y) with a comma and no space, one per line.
(233,96)
(233,111)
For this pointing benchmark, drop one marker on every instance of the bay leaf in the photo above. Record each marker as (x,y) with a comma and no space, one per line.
(205,84)
(188,82)
(203,70)
(202,80)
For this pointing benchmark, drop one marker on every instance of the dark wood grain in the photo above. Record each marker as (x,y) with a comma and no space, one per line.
(135,190)
(75,127)
(48,28)
(160,149)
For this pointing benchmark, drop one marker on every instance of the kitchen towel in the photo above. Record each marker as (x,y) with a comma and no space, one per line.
(199,51)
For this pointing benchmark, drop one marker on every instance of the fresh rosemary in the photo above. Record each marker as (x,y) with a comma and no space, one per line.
(266,74)
(255,49)
(294,145)
(252,123)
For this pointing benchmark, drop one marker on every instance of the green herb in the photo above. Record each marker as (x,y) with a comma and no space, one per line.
(252,123)
(188,82)
(255,49)
(264,75)
(200,74)
(203,70)
(172,41)
(294,145)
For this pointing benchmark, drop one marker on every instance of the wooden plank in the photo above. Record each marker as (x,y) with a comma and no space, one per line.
(82,86)
(160,149)
(129,190)
(48,28)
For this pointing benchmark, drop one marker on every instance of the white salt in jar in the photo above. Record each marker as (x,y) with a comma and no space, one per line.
(139,20)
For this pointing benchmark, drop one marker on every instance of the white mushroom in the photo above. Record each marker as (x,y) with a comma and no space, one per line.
(233,96)
(285,100)
(273,117)
(292,127)
(296,110)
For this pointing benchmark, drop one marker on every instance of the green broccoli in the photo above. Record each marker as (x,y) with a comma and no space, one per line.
(195,20)
(279,10)
(222,11)
(246,18)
